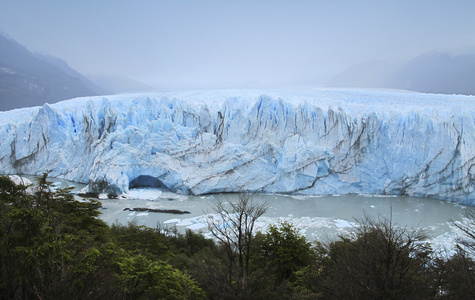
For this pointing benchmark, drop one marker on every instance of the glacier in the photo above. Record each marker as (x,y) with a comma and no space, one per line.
(305,141)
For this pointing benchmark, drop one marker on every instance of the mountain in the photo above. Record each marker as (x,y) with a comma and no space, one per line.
(437,71)
(27,80)
(369,74)
(63,65)
(118,84)
(311,142)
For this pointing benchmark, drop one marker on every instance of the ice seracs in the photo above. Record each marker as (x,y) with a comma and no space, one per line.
(282,141)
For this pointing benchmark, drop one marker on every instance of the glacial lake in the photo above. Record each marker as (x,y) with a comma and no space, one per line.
(320,218)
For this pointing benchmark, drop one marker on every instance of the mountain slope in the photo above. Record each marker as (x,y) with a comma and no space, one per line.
(119,84)
(369,74)
(26,80)
(63,65)
(439,72)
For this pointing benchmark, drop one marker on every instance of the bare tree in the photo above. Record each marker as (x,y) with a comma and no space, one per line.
(467,242)
(383,261)
(458,271)
(233,226)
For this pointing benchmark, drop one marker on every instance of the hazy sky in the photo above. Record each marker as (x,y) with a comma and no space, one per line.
(224,43)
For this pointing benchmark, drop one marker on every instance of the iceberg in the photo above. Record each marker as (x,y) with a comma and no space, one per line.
(308,142)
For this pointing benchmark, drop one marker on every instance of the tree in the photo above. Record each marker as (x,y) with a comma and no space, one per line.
(458,271)
(139,239)
(51,245)
(457,276)
(467,242)
(382,261)
(55,247)
(283,250)
(232,275)
(143,278)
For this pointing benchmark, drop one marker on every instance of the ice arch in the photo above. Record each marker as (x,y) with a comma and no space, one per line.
(146,181)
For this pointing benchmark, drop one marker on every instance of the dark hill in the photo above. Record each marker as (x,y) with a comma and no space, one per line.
(26,80)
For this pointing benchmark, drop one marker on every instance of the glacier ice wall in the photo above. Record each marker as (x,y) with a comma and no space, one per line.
(280,141)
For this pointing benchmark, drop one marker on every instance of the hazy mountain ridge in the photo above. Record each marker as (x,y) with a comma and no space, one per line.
(31,79)
(369,74)
(117,84)
(63,65)
(26,80)
(436,71)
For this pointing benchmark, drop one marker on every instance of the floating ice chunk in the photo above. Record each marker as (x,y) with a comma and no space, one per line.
(184,222)
(197,226)
(56,184)
(144,194)
(342,223)
(171,221)
(20,180)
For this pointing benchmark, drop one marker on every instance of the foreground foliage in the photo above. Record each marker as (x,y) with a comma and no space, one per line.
(54,247)
(382,261)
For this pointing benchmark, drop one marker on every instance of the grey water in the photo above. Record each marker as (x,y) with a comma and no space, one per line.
(318,217)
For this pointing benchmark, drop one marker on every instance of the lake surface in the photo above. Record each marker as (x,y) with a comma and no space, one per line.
(319,218)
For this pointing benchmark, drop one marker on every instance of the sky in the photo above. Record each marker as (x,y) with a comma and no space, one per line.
(185,44)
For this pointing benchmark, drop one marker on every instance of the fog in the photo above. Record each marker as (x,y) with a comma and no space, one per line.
(234,44)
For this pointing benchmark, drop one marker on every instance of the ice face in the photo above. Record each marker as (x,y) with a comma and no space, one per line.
(310,142)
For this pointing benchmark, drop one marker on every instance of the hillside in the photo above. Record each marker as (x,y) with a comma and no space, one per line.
(28,80)
(437,71)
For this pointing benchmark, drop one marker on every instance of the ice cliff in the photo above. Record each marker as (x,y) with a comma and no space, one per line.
(280,141)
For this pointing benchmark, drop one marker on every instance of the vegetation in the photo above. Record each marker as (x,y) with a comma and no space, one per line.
(381,262)
(234,229)
(54,247)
